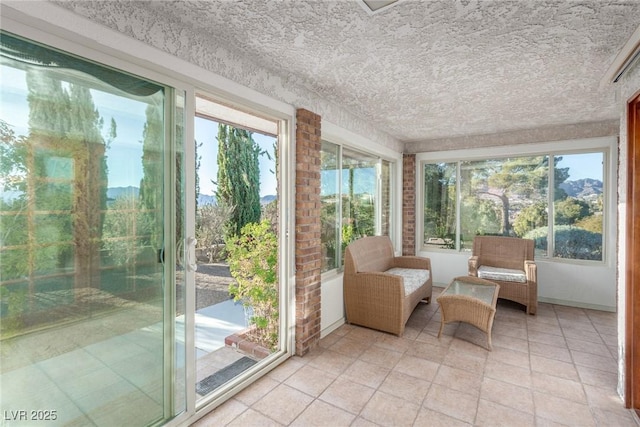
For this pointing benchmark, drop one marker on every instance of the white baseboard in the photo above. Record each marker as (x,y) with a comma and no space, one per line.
(577,304)
(562,302)
(332,327)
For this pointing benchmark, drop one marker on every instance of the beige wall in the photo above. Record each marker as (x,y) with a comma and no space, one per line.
(627,89)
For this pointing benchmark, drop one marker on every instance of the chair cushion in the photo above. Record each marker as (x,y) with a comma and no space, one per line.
(413,278)
(504,274)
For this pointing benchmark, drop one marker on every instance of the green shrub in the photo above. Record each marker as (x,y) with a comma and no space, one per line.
(570,242)
(253,258)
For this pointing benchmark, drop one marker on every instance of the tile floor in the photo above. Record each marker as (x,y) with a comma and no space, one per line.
(557,368)
(107,370)
(116,381)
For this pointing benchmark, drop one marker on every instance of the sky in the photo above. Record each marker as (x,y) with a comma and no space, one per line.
(206,132)
(123,158)
(583,165)
(124,155)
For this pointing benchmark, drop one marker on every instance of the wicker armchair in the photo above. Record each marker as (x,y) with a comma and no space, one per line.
(380,289)
(508,261)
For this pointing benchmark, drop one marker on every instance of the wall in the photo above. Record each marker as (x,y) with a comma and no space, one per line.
(332,303)
(409,204)
(627,89)
(558,283)
(307,231)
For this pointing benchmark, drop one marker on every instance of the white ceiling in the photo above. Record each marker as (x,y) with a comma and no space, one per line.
(432,69)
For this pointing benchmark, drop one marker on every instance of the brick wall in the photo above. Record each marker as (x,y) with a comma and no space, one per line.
(409,204)
(385,179)
(308,255)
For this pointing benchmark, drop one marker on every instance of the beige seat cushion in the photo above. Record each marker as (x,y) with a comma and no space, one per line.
(413,278)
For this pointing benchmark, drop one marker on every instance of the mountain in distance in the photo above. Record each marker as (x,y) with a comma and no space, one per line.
(117,192)
(265,200)
(582,188)
(114,193)
(204,200)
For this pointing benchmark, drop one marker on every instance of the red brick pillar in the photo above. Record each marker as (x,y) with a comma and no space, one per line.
(308,255)
(409,204)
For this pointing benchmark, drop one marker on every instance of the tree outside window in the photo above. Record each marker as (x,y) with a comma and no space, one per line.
(511,196)
(356,197)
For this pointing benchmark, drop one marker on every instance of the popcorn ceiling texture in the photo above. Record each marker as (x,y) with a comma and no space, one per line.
(163,26)
(421,71)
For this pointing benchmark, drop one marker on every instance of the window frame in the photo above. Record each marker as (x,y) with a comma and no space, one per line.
(604,145)
(352,142)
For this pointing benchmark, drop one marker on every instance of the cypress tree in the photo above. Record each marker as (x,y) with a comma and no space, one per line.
(49,104)
(238,177)
(64,123)
(151,185)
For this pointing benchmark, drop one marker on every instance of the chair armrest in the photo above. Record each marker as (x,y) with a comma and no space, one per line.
(407,261)
(375,300)
(531,271)
(473,264)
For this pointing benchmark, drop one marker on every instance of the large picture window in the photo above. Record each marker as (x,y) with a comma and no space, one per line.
(356,199)
(555,199)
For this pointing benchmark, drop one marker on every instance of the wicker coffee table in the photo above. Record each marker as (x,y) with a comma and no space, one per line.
(471,300)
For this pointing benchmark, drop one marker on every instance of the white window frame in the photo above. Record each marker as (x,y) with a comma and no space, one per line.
(344,138)
(606,145)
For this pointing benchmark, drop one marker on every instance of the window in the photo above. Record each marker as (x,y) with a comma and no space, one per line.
(440,205)
(517,196)
(356,199)
(578,208)
(505,197)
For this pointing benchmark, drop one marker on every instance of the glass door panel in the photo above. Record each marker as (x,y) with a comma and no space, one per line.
(82,218)
(237,193)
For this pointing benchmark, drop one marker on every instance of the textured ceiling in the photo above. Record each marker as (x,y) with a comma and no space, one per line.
(433,69)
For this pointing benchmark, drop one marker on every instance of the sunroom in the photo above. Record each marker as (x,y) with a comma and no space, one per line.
(428,122)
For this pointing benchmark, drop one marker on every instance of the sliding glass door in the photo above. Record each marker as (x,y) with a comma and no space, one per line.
(126,295)
(237,291)
(87,298)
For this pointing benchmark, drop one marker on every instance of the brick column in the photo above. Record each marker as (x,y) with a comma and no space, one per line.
(308,255)
(409,204)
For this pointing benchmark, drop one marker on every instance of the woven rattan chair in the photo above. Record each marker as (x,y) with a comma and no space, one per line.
(508,261)
(379,292)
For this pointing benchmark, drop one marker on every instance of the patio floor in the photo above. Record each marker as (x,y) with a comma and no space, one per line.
(556,368)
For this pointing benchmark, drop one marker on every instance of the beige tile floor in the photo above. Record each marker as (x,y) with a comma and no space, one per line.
(557,368)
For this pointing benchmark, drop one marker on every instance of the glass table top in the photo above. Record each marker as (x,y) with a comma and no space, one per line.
(482,292)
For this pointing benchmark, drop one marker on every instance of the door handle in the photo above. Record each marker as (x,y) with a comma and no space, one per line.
(180,254)
(191,253)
